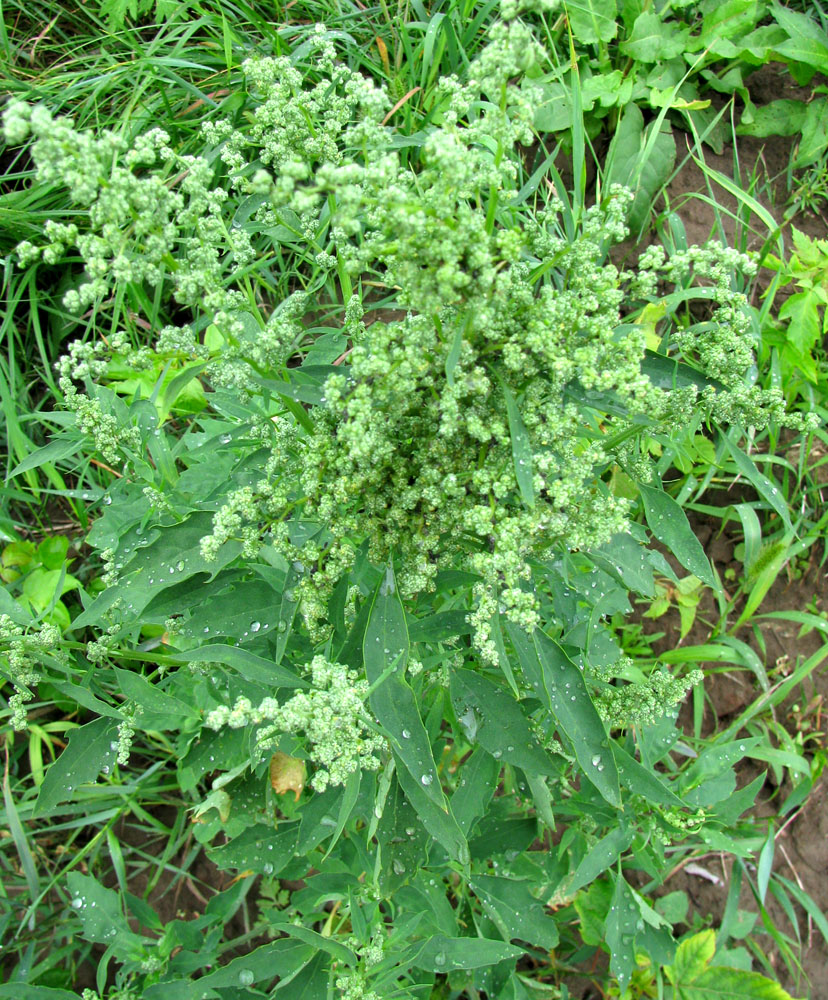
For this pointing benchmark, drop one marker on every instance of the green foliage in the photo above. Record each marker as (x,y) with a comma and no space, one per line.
(368,517)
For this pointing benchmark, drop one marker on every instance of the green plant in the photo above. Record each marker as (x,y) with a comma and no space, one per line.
(797,344)
(370,517)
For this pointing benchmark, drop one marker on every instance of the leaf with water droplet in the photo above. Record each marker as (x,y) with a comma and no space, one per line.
(395,707)
(544,662)
(159,710)
(620,932)
(501,726)
(515,911)
(286,958)
(478,781)
(462,953)
(100,913)
(521,448)
(669,524)
(173,544)
(89,750)
(256,847)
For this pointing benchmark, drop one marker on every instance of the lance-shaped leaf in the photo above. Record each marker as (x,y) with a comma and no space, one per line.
(669,524)
(559,683)
(444,954)
(385,653)
(91,749)
(491,717)
(514,910)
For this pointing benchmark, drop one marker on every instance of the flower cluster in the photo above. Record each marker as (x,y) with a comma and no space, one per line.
(643,704)
(331,716)
(20,662)
(477,431)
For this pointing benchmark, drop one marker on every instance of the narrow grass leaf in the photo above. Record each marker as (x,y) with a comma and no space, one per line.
(21,843)
(521,449)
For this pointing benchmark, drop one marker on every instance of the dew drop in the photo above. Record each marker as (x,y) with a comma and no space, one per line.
(426,779)
(405,734)
(180,566)
(77,903)
(398,866)
(267,868)
(226,438)
(596,760)
(246,977)
(255,626)
(439,958)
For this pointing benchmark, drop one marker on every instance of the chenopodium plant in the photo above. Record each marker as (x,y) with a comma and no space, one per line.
(388,552)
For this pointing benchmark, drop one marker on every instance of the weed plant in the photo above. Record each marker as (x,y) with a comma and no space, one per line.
(362,525)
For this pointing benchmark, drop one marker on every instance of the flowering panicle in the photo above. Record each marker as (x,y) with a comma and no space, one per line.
(331,716)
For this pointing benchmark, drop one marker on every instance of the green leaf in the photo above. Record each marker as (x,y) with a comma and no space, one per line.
(625,559)
(599,858)
(592,21)
(667,373)
(719,983)
(261,849)
(99,910)
(514,910)
(403,841)
(802,310)
(445,954)
(560,685)
(284,958)
(251,667)
(782,117)
(491,717)
(159,709)
(642,781)
(620,932)
(245,610)
(478,781)
(89,751)
(651,41)
(692,957)
(640,161)
(56,450)
(521,449)
(173,557)
(318,941)
(385,653)
(52,551)
(23,991)
(728,18)
(764,486)
(669,524)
